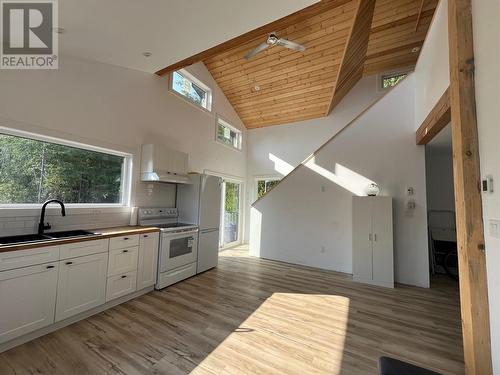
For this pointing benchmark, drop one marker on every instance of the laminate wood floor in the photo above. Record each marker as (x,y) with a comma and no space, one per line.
(254,316)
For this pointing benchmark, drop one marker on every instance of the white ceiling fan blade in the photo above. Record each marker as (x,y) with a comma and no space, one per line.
(291,45)
(261,47)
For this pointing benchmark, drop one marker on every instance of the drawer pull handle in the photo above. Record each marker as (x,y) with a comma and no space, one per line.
(125,238)
(49,267)
(124,276)
(146,236)
(125,251)
(68,263)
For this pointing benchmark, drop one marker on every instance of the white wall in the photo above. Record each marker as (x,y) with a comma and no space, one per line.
(119,109)
(439,172)
(292,143)
(486,16)
(307,218)
(432,73)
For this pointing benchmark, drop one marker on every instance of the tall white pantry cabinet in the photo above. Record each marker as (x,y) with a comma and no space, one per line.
(372,242)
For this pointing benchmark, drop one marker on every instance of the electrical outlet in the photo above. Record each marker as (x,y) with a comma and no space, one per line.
(494,228)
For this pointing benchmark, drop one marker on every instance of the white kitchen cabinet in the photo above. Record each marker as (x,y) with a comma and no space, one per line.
(148,260)
(122,260)
(123,242)
(27,299)
(79,249)
(121,285)
(30,257)
(81,285)
(373,250)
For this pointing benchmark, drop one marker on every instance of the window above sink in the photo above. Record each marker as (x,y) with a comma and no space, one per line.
(34,168)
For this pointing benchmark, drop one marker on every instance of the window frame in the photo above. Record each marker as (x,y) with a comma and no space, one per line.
(264,178)
(126,183)
(190,77)
(391,74)
(225,123)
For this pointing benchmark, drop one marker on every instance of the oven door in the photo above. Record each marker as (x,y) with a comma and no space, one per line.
(178,249)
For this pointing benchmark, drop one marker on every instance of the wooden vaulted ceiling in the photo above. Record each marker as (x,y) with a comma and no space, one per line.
(344,39)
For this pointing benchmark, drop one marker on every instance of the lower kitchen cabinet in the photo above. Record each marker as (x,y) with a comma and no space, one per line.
(82,284)
(27,299)
(148,260)
(121,285)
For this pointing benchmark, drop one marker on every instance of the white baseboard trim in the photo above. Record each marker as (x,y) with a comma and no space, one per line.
(63,323)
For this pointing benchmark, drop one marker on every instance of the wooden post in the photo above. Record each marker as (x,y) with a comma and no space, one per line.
(470,231)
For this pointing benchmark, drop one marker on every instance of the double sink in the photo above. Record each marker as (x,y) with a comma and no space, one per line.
(29,238)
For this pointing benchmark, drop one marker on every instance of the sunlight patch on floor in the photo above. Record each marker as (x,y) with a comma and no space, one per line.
(277,339)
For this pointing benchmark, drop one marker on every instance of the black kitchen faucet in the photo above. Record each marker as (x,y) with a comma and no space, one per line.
(42,226)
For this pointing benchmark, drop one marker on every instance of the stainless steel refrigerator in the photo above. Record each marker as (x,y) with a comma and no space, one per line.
(200,203)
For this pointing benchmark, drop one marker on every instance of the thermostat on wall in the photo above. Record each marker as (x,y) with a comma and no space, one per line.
(487,184)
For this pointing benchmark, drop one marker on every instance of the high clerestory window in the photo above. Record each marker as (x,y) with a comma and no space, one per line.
(192,89)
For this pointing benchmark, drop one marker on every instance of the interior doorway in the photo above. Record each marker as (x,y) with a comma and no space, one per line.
(231,213)
(441,217)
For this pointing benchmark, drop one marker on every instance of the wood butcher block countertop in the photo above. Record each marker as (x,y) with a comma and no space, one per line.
(99,234)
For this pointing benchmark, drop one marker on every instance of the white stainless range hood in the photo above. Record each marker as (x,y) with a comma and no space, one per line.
(161,164)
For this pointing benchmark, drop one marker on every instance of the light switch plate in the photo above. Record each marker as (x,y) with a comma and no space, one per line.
(494,228)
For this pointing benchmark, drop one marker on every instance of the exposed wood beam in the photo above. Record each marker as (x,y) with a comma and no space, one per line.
(419,15)
(436,120)
(470,231)
(353,60)
(279,24)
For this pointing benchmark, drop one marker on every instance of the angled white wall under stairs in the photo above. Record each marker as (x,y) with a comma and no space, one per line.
(307,218)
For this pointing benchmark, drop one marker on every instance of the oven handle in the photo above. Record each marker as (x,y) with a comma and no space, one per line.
(181,234)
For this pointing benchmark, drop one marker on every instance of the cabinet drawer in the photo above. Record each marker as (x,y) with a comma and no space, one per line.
(30,257)
(121,285)
(122,260)
(123,242)
(79,249)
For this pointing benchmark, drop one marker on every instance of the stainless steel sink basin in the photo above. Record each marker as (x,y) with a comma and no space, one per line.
(13,240)
(29,238)
(70,233)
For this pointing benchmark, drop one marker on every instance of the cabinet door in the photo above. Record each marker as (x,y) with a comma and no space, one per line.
(383,269)
(27,299)
(362,239)
(81,285)
(148,260)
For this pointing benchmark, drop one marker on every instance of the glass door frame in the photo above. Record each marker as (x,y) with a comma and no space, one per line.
(241,196)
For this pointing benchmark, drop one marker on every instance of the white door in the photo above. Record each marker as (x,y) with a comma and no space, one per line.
(362,254)
(27,299)
(383,270)
(81,285)
(148,260)
(208,250)
(210,196)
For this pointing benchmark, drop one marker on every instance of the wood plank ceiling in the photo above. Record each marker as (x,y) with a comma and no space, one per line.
(280,86)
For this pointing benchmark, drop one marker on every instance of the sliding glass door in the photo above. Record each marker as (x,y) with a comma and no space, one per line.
(231,213)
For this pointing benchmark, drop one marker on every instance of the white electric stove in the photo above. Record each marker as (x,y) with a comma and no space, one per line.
(178,251)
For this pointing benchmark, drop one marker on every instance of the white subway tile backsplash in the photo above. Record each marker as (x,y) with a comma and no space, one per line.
(17,222)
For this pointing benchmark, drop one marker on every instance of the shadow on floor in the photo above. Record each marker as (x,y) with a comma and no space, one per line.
(253,316)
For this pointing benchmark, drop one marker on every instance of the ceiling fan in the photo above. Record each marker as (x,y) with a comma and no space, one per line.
(273,40)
